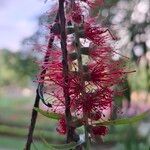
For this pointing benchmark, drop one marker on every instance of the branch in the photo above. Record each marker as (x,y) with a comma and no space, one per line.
(37,98)
(70,130)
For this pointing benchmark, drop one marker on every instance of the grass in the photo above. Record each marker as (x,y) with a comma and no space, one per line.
(22,132)
(12,143)
(14,122)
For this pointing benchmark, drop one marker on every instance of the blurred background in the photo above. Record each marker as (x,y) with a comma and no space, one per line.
(21,28)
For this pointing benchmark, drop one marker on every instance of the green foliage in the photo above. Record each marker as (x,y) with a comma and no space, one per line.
(22,132)
(9,143)
(124,121)
(16,68)
(68,146)
(127,137)
(111,122)
(139,80)
(49,114)
(111,1)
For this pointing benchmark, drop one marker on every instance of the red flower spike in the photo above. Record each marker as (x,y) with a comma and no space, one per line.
(99,77)
(100,130)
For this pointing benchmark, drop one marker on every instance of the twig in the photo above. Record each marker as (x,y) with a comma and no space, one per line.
(37,99)
(70,130)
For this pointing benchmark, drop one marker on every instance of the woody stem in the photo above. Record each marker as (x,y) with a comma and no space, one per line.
(70,130)
(37,101)
(83,92)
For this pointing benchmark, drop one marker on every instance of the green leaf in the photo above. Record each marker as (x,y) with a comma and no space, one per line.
(124,121)
(46,143)
(49,114)
(65,146)
(76,123)
(68,146)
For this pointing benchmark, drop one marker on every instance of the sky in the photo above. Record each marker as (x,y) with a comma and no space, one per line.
(18,20)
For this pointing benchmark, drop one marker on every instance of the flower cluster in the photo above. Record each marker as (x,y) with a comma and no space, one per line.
(92,71)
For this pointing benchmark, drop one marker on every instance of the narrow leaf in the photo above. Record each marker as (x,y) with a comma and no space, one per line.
(123,121)
(68,146)
(46,143)
(49,114)
(64,146)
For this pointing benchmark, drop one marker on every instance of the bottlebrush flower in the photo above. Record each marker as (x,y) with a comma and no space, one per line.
(104,74)
(95,102)
(53,73)
(90,85)
(75,86)
(95,34)
(93,3)
(61,126)
(95,115)
(100,53)
(76,13)
(100,130)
